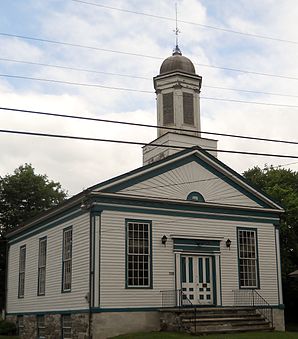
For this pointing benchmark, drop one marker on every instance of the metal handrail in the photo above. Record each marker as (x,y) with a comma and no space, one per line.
(174,298)
(192,305)
(252,298)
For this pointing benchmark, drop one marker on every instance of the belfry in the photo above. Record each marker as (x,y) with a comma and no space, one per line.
(177,90)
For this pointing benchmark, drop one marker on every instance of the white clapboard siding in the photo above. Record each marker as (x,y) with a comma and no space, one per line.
(113,293)
(179,182)
(53,299)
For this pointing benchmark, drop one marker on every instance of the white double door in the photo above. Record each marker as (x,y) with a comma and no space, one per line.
(197,280)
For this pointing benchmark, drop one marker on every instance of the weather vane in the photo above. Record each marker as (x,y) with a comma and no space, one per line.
(176,31)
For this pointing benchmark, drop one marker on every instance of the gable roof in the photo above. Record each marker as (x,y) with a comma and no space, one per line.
(198,155)
(113,186)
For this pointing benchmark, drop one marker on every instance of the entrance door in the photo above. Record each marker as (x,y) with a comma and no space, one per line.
(197,280)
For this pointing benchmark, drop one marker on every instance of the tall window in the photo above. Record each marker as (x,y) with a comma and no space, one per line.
(22,267)
(168,108)
(66,326)
(248,258)
(67,259)
(42,258)
(138,243)
(188,109)
(41,328)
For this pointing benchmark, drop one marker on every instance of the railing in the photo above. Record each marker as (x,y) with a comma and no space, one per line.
(252,298)
(177,298)
(171,298)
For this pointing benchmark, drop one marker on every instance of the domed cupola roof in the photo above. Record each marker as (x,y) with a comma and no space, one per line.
(177,62)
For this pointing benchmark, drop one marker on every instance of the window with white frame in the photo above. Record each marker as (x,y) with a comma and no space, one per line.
(66,326)
(41,328)
(248,258)
(67,259)
(138,242)
(22,267)
(42,259)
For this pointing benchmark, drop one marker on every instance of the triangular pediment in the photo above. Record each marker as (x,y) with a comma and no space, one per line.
(188,171)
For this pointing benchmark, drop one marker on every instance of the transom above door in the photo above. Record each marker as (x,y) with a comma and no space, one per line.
(197,279)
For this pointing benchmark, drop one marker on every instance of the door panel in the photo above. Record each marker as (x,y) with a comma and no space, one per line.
(197,280)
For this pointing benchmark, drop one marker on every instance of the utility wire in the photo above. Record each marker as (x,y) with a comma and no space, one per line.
(72,68)
(189,22)
(74,83)
(61,136)
(137,77)
(79,117)
(140,55)
(140,91)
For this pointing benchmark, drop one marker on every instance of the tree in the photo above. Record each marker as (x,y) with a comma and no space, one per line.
(23,195)
(282,185)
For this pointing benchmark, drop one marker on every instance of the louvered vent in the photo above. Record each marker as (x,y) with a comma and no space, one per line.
(168,108)
(188,114)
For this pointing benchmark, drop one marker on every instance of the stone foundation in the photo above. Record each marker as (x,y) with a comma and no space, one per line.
(109,324)
(278,319)
(79,322)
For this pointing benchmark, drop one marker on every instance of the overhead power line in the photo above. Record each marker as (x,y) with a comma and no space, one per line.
(137,77)
(61,136)
(79,117)
(74,83)
(141,55)
(227,30)
(140,91)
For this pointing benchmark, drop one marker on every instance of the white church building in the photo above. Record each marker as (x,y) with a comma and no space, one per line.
(164,247)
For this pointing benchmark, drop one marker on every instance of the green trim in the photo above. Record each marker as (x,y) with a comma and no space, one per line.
(280,294)
(124,309)
(207,265)
(150,253)
(38,278)
(214,282)
(257,261)
(179,163)
(22,247)
(220,281)
(185,206)
(190,269)
(196,245)
(37,313)
(200,264)
(134,209)
(99,260)
(276,261)
(174,156)
(195,196)
(183,269)
(62,280)
(34,230)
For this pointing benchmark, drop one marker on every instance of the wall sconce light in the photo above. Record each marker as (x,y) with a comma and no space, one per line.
(228,244)
(164,239)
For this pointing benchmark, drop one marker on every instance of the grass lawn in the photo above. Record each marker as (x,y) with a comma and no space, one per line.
(7,337)
(251,335)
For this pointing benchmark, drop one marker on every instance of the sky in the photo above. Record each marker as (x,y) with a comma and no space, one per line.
(121,44)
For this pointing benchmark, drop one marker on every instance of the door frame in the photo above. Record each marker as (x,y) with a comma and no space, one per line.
(216,274)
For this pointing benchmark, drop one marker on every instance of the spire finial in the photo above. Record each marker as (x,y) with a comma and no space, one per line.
(176,31)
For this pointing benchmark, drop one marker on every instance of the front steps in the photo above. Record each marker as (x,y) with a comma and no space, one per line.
(213,320)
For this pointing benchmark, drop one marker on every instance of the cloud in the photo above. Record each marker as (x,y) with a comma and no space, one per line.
(79,164)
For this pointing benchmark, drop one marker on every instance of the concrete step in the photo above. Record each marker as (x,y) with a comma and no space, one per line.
(233,330)
(224,320)
(221,315)
(228,327)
